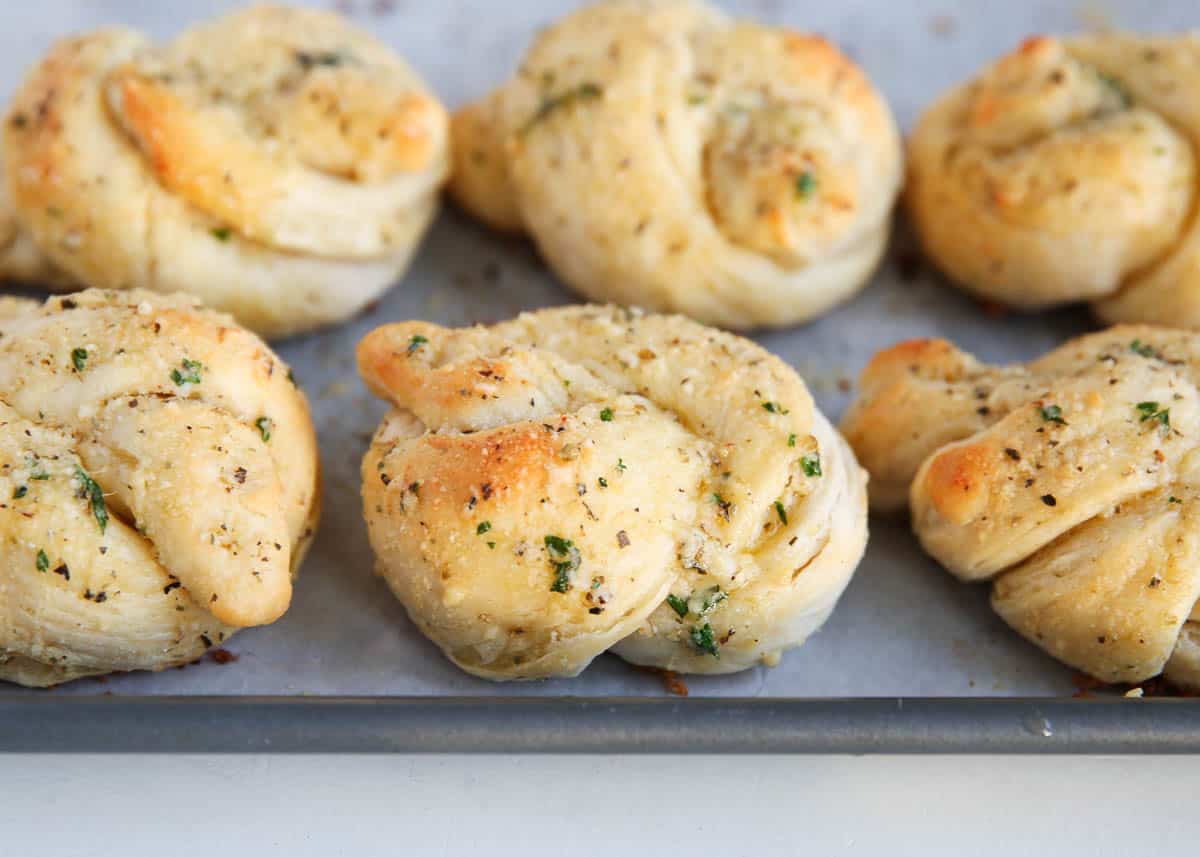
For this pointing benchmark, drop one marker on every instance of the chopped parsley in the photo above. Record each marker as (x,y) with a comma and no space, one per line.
(1052,414)
(1141,348)
(222,233)
(724,505)
(679,605)
(43,561)
(806,185)
(1116,87)
(781,512)
(1150,411)
(606,415)
(621,465)
(565,558)
(20,491)
(416,342)
(702,639)
(583,92)
(1174,500)
(603,482)
(775,408)
(483,527)
(188,373)
(811,464)
(791,440)
(79,358)
(312,59)
(91,491)
(264,426)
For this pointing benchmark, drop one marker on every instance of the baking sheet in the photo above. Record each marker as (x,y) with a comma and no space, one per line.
(904,627)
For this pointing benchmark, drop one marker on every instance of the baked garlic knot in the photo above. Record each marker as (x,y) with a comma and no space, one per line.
(158,484)
(277,163)
(1072,483)
(662,155)
(1067,172)
(591,477)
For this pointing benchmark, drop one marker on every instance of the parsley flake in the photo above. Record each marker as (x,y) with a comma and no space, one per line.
(791,440)
(781,512)
(806,185)
(724,505)
(1150,411)
(190,373)
(565,558)
(621,465)
(775,408)
(811,464)
(1142,349)
(91,491)
(264,426)
(679,605)
(583,92)
(702,639)
(606,415)
(1052,414)
(416,342)
(20,491)
(43,561)
(483,527)
(79,358)
(222,233)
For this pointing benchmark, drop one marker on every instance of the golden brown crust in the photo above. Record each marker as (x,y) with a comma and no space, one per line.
(1066,171)
(479,181)
(163,475)
(1074,493)
(663,156)
(277,163)
(675,459)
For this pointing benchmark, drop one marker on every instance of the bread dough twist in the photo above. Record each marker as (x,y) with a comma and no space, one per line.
(591,477)
(1067,171)
(1072,483)
(664,156)
(158,483)
(277,163)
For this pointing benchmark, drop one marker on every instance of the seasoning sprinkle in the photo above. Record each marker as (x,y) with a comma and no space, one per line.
(702,639)
(189,375)
(791,440)
(775,408)
(222,233)
(1142,349)
(565,558)
(483,527)
(781,512)
(43,561)
(811,464)
(1052,414)
(679,605)
(1151,411)
(91,491)
(79,358)
(583,92)
(416,342)
(264,426)
(20,491)
(806,184)
(606,415)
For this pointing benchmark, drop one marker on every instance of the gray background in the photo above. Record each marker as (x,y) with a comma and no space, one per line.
(903,627)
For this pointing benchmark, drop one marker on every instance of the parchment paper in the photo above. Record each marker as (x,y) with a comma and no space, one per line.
(904,627)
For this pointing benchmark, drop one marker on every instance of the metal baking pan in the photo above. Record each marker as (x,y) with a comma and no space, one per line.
(910,661)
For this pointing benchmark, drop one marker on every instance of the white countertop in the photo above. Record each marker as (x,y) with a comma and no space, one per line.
(172,806)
